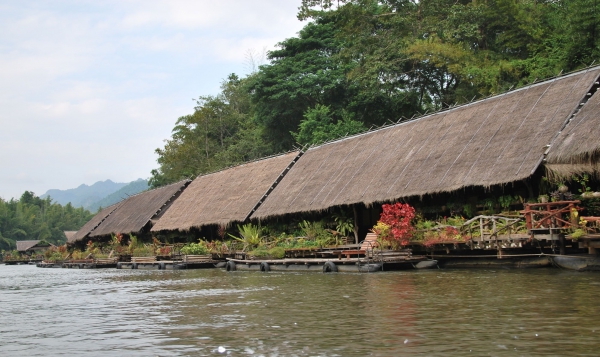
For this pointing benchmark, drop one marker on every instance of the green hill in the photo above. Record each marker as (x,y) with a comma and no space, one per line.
(84,195)
(130,189)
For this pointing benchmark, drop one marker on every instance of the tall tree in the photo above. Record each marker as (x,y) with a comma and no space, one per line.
(218,134)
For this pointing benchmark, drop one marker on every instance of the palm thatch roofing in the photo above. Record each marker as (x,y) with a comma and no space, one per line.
(227,196)
(87,228)
(69,234)
(577,148)
(25,245)
(497,140)
(135,212)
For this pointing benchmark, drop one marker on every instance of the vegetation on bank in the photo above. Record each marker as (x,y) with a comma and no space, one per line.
(363,63)
(33,218)
(399,226)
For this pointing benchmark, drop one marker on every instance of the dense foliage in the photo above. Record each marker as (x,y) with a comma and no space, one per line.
(360,63)
(33,218)
(395,224)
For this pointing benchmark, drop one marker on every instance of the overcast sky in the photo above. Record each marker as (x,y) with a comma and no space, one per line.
(89,89)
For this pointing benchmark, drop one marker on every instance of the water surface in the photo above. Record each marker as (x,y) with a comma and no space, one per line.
(542,312)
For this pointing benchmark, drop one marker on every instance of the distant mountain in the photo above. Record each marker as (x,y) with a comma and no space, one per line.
(84,195)
(132,188)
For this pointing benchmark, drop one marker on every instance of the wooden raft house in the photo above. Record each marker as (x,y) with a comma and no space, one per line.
(506,141)
(227,196)
(132,216)
(495,142)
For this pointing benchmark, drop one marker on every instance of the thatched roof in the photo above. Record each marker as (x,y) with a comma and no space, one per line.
(577,148)
(226,196)
(498,140)
(69,235)
(87,228)
(136,211)
(23,245)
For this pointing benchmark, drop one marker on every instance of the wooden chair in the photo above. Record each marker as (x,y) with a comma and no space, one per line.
(366,246)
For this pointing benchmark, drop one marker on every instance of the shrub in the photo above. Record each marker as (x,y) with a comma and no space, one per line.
(251,236)
(398,217)
(143,251)
(194,249)
(259,253)
(164,251)
(445,234)
(316,232)
(277,252)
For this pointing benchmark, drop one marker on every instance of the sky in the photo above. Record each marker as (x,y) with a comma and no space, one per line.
(89,89)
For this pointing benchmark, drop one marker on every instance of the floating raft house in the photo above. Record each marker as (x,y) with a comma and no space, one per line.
(577,147)
(227,196)
(494,141)
(136,213)
(79,238)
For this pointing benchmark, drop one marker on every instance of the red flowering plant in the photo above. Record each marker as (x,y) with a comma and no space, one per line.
(165,251)
(395,224)
(442,235)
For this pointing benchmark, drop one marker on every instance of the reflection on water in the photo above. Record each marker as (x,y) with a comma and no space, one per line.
(49,312)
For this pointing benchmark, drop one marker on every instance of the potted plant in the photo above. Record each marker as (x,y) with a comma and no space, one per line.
(543,198)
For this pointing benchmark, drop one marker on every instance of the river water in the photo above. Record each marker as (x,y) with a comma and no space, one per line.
(542,312)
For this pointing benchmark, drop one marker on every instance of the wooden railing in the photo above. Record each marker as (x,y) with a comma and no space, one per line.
(490,227)
(551,215)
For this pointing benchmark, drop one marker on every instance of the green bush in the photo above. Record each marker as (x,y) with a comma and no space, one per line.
(262,252)
(591,205)
(55,257)
(259,253)
(194,249)
(143,251)
(251,236)
(277,252)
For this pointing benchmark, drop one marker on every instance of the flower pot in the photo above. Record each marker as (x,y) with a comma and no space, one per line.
(563,188)
(596,194)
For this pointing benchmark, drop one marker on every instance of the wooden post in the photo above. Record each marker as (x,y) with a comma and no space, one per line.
(355,224)
(528,217)
(481,229)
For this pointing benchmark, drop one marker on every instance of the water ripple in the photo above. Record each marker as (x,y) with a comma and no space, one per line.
(53,312)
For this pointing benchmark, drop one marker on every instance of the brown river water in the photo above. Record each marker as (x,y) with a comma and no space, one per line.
(71,312)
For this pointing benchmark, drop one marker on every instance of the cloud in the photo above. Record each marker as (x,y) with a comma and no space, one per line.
(89,90)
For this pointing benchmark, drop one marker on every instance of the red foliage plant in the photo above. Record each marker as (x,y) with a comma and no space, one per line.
(448,234)
(164,251)
(398,216)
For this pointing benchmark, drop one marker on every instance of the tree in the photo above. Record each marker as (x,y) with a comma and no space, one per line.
(310,70)
(318,127)
(33,218)
(215,136)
